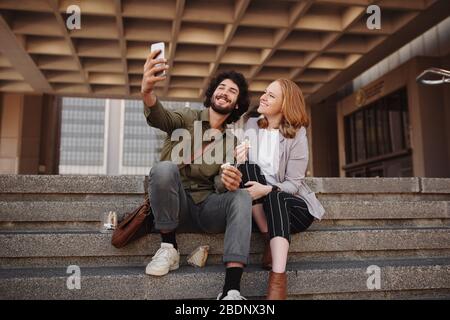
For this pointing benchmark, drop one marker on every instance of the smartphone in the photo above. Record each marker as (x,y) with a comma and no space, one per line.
(161,55)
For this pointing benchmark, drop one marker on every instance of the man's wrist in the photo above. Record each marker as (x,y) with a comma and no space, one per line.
(149,99)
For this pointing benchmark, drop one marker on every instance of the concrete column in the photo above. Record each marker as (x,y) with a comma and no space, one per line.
(29,137)
(50,135)
(446,65)
(10,132)
(31,134)
(324,140)
(113,149)
(430,147)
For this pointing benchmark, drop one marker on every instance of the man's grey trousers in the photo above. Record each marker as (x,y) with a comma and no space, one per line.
(229,212)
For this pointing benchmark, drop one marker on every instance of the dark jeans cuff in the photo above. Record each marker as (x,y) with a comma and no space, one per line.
(165,225)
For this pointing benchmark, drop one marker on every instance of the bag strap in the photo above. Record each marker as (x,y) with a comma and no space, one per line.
(195,156)
(146,195)
(201,151)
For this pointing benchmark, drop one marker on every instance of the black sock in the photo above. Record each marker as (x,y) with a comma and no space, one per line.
(169,238)
(232,280)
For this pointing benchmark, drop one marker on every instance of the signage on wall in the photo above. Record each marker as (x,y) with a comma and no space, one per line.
(362,95)
(360,98)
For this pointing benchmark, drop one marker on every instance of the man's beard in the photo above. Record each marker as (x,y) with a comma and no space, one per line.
(221,110)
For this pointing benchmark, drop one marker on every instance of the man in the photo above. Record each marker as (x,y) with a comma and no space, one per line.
(198,195)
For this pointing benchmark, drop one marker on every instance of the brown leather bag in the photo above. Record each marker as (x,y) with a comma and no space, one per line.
(135,225)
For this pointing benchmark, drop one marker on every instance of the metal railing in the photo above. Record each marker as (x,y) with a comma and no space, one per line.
(434,71)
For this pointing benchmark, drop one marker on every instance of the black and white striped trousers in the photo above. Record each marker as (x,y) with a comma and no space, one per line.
(286,214)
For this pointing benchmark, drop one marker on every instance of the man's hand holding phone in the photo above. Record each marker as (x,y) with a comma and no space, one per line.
(154,71)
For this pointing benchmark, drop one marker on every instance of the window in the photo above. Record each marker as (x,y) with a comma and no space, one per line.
(377,132)
(104,136)
(82,136)
(142,144)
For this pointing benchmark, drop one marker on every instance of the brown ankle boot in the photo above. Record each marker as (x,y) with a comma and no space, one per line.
(267,255)
(277,289)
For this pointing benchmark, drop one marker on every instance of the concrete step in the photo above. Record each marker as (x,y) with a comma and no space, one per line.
(50,222)
(66,211)
(71,184)
(21,249)
(424,294)
(60,215)
(215,259)
(327,224)
(78,202)
(87,215)
(306,279)
(380,210)
(61,211)
(138,197)
(48,184)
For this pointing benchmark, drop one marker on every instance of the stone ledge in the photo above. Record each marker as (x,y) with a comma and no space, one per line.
(364,185)
(66,244)
(435,185)
(71,184)
(48,211)
(134,184)
(364,209)
(189,283)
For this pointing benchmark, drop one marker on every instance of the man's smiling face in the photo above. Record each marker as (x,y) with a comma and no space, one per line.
(225,96)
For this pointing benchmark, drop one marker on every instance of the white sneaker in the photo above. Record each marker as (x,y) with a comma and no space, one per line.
(166,259)
(231,295)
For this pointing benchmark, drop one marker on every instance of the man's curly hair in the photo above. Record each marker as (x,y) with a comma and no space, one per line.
(243,99)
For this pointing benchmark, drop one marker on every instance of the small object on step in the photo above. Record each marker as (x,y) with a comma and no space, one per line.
(110,221)
(198,257)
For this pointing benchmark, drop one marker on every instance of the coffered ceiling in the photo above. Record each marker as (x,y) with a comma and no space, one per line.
(319,44)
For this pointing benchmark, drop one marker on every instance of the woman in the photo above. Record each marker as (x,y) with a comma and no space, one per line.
(273,172)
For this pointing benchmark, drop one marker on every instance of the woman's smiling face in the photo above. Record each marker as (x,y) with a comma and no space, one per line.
(271,101)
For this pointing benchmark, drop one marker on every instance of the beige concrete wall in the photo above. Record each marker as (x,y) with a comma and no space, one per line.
(324,140)
(430,124)
(29,136)
(445,63)
(341,137)
(310,171)
(10,132)
(50,135)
